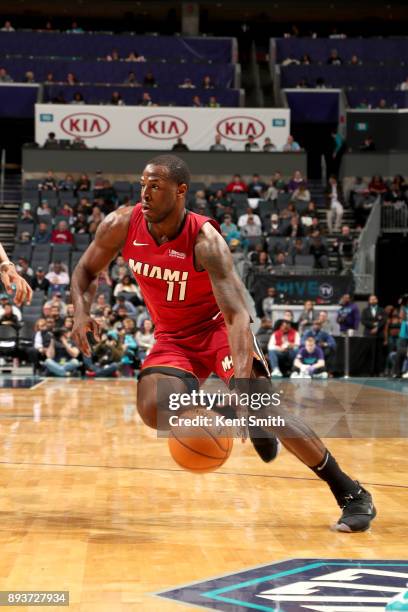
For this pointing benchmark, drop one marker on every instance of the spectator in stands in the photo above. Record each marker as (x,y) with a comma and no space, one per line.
(131,79)
(296,181)
(323,339)
(135,57)
(24,238)
(309,361)
(392,330)
(404,85)
(279,182)
(44,209)
(271,193)
(291,145)
(71,79)
(402,345)
(145,339)
(126,286)
(5,301)
(307,317)
(237,185)
(98,182)
(196,102)
(8,317)
(243,219)
(4,76)
(123,307)
(40,282)
(56,302)
(213,102)
(49,182)
(269,302)
(256,187)
(355,61)
(229,230)
(373,319)
(78,143)
(29,77)
(42,234)
(368,144)
(51,141)
(282,348)
(99,305)
(306,217)
(288,317)
(26,214)
(218,146)
(49,79)
(376,186)
(382,104)
(81,225)
(67,183)
(325,324)
(280,260)
(95,219)
(119,269)
(320,253)
(200,200)
(251,229)
(334,59)
(295,228)
(75,29)
(77,98)
(61,355)
(301,196)
(7,27)
(42,339)
(345,243)
(298,247)
(116,99)
(207,82)
(251,144)
(24,270)
(180,145)
(268,145)
(220,204)
(149,80)
(306,60)
(146,99)
(334,207)
(84,183)
(348,317)
(106,357)
(62,234)
(187,84)
(263,334)
(113,56)
(58,277)
(273,227)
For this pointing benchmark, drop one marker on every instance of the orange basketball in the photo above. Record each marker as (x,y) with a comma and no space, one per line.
(199,448)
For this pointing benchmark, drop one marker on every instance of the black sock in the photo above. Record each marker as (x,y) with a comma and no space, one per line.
(339,483)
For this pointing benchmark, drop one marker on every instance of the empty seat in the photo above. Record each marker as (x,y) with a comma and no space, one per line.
(22,250)
(122,187)
(216,186)
(25,227)
(304,260)
(81,241)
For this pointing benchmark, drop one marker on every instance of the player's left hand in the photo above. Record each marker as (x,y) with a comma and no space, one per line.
(9,277)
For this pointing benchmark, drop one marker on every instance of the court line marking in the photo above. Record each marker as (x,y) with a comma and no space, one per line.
(181,471)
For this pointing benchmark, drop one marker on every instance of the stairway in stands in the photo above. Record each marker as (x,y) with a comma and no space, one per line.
(9,210)
(317,190)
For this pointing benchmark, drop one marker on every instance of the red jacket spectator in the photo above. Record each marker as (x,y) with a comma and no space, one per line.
(237,185)
(62,235)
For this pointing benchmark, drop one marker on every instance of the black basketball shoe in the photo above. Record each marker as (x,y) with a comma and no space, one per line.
(266,445)
(358,512)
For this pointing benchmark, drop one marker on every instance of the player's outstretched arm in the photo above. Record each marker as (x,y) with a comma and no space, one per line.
(212,254)
(9,277)
(109,240)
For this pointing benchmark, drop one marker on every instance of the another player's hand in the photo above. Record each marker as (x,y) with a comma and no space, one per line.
(23,292)
(84,324)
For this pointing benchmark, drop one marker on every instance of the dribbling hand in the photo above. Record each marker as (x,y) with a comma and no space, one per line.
(9,277)
(83,326)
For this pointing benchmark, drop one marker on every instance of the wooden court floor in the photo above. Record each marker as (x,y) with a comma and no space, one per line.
(92,503)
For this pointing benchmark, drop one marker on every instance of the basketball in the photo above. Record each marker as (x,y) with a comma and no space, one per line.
(199,448)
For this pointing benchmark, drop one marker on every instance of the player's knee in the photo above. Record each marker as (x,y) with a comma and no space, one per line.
(148,412)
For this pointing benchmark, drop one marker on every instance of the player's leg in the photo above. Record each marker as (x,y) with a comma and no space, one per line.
(301,441)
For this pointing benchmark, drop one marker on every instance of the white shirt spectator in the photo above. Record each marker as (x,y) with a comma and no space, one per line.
(16,312)
(243,220)
(58,278)
(404,85)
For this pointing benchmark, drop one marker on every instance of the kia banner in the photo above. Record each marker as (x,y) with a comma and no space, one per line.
(130,127)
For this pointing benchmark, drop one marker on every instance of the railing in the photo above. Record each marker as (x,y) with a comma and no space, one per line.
(364,259)
(394,218)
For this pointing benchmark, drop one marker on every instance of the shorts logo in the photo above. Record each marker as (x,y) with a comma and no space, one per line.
(227,363)
(300,585)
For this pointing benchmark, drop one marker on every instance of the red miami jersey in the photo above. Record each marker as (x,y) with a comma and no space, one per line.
(179,298)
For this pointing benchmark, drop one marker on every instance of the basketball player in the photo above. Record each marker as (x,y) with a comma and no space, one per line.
(196,300)
(9,277)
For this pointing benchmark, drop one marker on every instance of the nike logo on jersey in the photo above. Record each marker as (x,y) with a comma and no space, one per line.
(140,243)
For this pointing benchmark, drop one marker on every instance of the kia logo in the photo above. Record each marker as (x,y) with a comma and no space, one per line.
(163,127)
(85,125)
(240,127)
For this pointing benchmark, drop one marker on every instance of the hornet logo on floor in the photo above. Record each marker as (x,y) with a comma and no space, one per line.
(298,585)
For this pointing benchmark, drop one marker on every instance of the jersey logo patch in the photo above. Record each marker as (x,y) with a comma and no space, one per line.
(177,254)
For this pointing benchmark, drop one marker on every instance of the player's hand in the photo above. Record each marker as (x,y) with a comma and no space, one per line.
(83,325)
(23,292)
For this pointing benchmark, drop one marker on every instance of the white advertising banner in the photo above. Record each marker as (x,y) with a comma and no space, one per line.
(140,127)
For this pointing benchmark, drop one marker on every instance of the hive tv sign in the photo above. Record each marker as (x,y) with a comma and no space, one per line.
(85,125)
